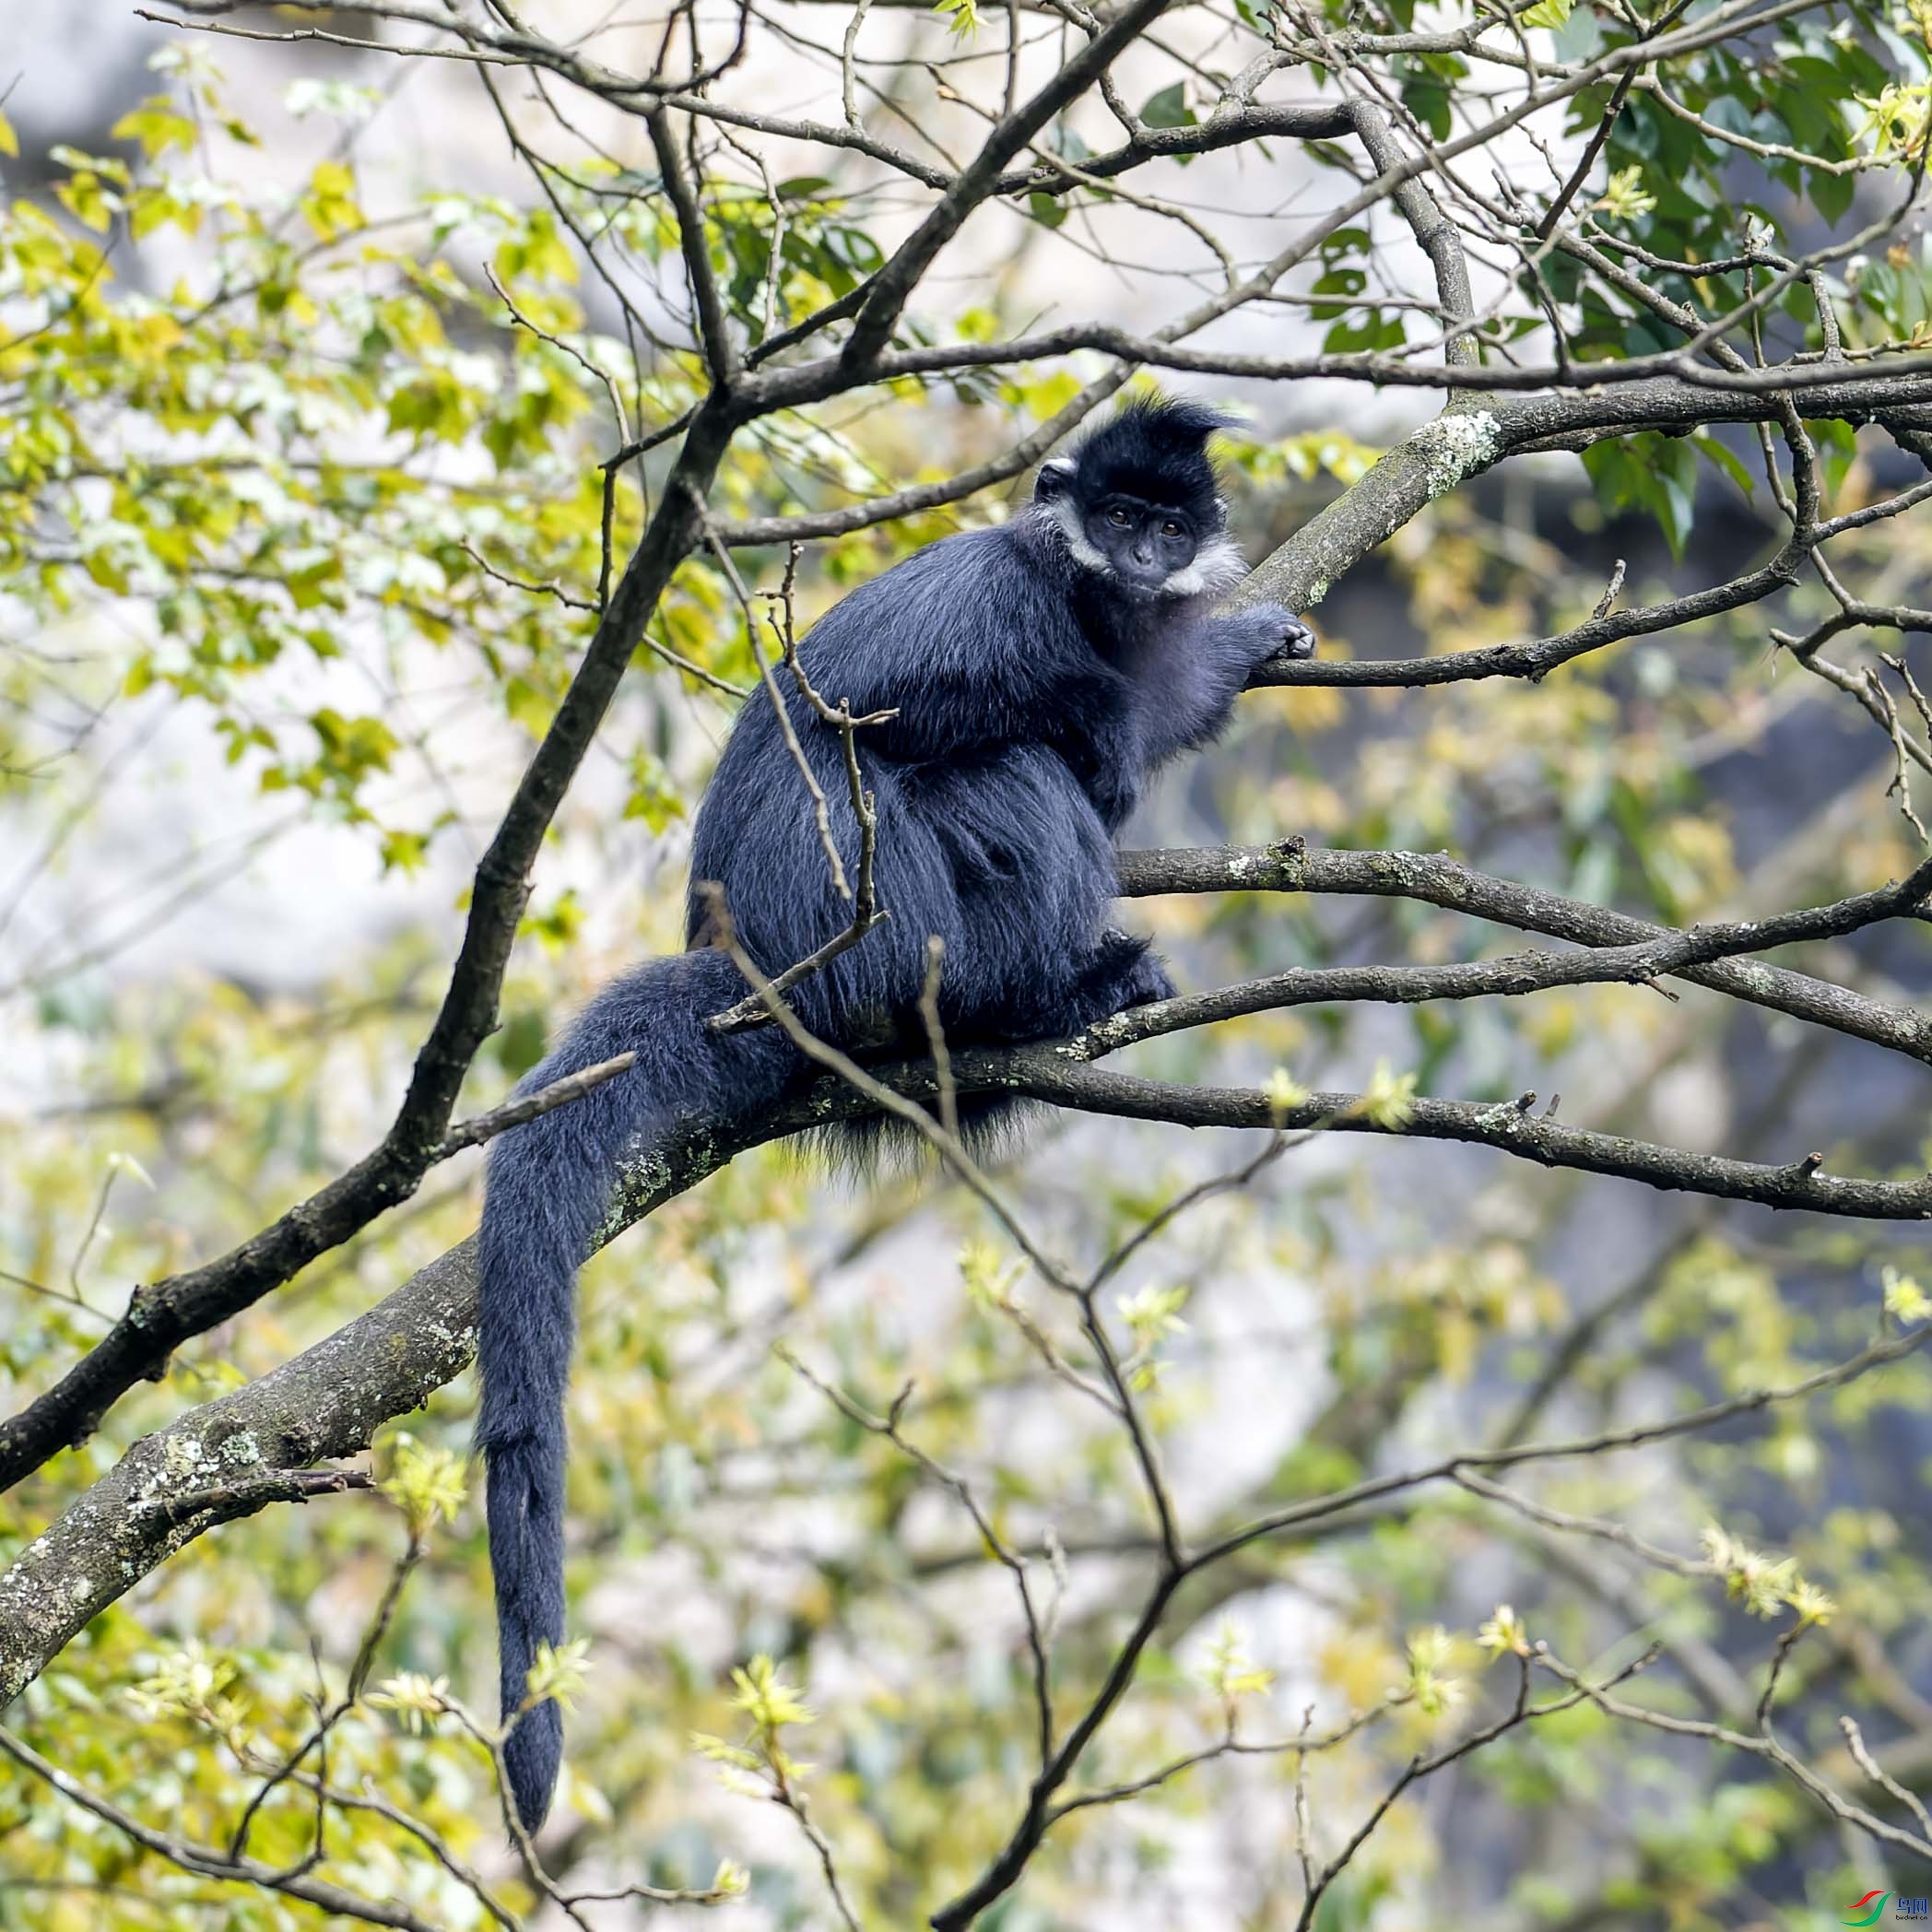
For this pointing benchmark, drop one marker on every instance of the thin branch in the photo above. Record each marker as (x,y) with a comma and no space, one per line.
(889,1425)
(720,356)
(1759,1744)
(1434,878)
(205,1861)
(247,1494)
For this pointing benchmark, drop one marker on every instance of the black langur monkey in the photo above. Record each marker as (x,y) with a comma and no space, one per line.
(1038,672)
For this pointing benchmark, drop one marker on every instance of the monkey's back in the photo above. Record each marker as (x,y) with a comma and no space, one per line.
(986,837)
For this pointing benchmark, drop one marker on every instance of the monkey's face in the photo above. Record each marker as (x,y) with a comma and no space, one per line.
(1147,547)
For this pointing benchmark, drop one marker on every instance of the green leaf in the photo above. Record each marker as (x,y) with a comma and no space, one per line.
(157,126)
(1428,101)
(405,850)
(1830,194)
(1837,446)
(1728,461)
(1169,107)
(1657,474)
(964,15)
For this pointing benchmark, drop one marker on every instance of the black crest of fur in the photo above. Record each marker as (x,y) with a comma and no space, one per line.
(1154,448)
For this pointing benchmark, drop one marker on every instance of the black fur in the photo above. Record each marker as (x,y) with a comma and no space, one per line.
(1040,671)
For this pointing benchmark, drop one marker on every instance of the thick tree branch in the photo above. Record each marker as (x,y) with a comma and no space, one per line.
(1459,444)
(326,1403)
(1435,234)
(1637,962)
(162,1316)
(713,335)
(1061,1076)
(1429,463)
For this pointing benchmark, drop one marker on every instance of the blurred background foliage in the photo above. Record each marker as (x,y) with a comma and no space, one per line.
(300,512)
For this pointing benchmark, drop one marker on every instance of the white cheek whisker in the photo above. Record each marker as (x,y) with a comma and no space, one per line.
(1217,566)
(1083,553)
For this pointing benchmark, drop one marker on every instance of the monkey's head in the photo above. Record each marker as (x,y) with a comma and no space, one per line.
(1138,500)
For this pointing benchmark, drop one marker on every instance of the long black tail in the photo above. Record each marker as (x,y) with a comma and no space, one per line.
(549,1184)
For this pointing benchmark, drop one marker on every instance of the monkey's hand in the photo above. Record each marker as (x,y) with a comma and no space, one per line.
(1146,982)
(1283,637)
(1126,971)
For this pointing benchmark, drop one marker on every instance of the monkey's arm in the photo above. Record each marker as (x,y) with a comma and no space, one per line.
(1187,692)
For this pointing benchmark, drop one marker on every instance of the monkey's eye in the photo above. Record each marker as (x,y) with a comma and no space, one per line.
(1118,516)
(1170,528)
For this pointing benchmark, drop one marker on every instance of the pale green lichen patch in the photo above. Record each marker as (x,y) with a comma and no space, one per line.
(647,1177)
(178,1462)
(1456,445)
(1118,1030)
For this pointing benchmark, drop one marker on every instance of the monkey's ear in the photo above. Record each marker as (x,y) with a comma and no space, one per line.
(1056,479)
